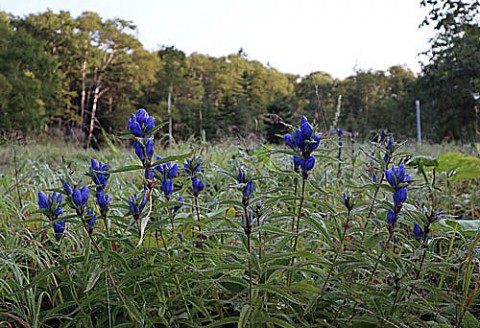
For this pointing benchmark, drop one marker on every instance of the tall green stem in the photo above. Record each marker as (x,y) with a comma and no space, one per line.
(295,241)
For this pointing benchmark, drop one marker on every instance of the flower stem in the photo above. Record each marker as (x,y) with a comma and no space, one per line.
(295,240)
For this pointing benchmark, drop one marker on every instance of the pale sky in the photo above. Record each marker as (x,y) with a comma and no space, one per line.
(293,36)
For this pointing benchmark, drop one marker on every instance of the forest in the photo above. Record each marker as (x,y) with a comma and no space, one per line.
(80,78)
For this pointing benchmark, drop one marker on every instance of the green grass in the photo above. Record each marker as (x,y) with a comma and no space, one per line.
(342,269)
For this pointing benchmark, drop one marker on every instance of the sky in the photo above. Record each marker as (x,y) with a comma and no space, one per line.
(293,36)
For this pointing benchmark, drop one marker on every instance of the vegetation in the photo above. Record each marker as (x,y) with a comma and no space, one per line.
(79,76)
(343,235)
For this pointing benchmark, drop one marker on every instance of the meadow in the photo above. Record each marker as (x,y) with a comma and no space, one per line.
(381,233)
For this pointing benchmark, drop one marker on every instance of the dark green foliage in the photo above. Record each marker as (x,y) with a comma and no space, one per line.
(349,270)
(83,75)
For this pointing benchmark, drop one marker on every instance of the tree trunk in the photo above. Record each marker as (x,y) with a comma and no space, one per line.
(169,109)
(84,91)
(96,95)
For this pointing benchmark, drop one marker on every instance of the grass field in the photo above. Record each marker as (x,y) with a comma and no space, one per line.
(328,246)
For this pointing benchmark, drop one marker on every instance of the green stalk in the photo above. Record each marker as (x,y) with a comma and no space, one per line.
(340,246)
(295,241)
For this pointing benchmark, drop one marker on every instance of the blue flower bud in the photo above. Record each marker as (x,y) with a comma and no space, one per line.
(85,194)
(390,144)
(400,196)
(309,164)
(167,188)
(43,202)
(289,141)
(297,162)
(248,190)
(299,140)
(135,127)
(418,232)
(391,218)
(102,200)
(150,124)
(59,228)
(94,166)
(68,189)
(241,176)
(142,116)
(77,197)
(374,177)
(386,158)
(193,166)
(139,150)
(306,128)
(136,208)
(197,186)
(172,172)
(390,178)
(149,148)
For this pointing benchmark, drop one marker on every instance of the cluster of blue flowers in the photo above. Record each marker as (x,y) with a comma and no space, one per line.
(193,167)
(136,205)
(51,206)
(248,186)
(398,179)
(165,172)
(340,142)
(141,125)
(303,141)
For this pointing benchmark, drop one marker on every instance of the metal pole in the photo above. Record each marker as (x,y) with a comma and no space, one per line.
(419,130)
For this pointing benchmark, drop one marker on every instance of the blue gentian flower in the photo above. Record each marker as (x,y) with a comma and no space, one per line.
(80,198)
(50,205)
(390,143)
(400,196)
(374,177)
(241,176)
(135,127)
(167,188)
(91,221)
(66,186)
(59,228)
(103,201)
(392,218)
(248,190)
(99,178)
(193,166)
(167,170)
(418,232)
(149,149)
(141,123)
(303,142)
(197,186)
(397,176)
(136,208)
(43,202)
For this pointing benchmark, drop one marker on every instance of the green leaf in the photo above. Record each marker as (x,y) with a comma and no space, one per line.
(464,167)
(244,315)
(462,225)
(127,169)
(92,280)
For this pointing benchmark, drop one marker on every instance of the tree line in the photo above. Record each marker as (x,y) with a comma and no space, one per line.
(83,76)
